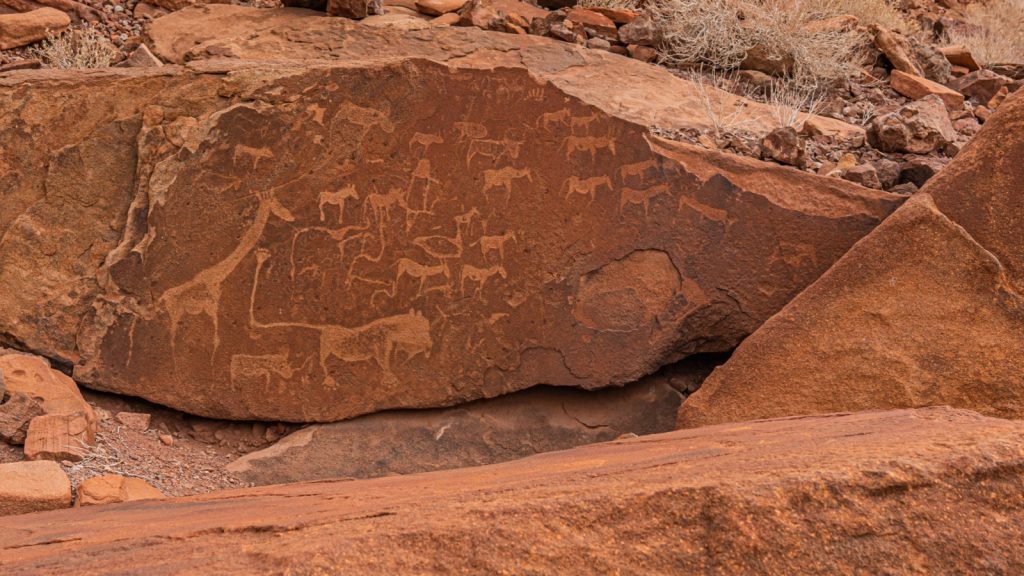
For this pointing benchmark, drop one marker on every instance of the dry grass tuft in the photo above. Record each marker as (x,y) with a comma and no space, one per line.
(726,113)
(792,104)
(995,32)
(84,48)
(719,33)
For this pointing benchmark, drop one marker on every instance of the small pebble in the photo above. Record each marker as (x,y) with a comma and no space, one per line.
(166,439)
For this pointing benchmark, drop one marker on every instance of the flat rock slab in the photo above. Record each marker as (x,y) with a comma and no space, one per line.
(405,234)
(916,314)
(484,432)
(33,487)
(822,495)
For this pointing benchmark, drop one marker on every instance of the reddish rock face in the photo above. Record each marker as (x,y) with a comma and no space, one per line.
(825,495)
(365,248)
(916,314)
(981,189)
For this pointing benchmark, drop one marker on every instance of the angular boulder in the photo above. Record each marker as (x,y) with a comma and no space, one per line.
(16,411)
(237,252)
(484,432)
(51,390)
(32,487)
(981,189)
(58,437)
(22,29)
(916,314)
(824,495)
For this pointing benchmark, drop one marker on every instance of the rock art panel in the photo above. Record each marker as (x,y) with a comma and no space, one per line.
(316,258)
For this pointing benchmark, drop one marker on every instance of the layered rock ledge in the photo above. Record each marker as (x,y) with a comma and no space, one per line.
(816,495)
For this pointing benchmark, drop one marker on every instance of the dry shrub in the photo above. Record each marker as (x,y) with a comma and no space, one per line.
(726,113)
(881,12)
(626,4)
(719,33)
(792,104)
(995,32)
(85,48)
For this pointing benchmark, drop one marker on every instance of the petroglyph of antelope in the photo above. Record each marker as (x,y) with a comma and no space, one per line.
(587,187)
(490,244)
(470,130)
(425,140)
(480,276)
(247,368)
(642,197)
(337,199)
(504,177)
(589,144)
(496,150)
(549,120)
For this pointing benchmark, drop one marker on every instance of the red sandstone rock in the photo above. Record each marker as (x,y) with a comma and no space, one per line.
(981,189)
(352,251)
(17,410)
(54,392)
(960,55)
(915,314)
(485,432)
(917,87)
(825,495)
(32,487)
(18,30)
(58,437)
(111,489)
(920,127)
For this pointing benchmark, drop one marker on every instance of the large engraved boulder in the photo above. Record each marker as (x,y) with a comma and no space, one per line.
(312,242)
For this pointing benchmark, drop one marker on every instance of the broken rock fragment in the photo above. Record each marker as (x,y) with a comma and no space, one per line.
(16,411)
(112,488)
(919,127)
(58,437)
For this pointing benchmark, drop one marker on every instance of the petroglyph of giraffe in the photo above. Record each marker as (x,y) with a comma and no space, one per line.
(587,186)
(201,294)
(382,341)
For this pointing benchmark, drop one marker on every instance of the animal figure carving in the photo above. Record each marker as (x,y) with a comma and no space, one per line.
(490,244)
(587,186)
(480,276)
(642,197)
(589,144)
(337,199)
(504,177)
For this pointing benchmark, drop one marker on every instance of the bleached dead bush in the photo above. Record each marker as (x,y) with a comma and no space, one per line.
(881,12)
(724,111)
(792,104)
(720,33)
(85,48)
(995,32)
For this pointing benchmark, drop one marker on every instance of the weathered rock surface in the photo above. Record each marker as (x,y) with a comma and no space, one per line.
(916,314)
(22,29)
(919,127)
(32,487)
(485,432)
(823,495)
(646,94)
(53,391)
(111,489)
(917,87)
(16,411)
(58,437)
(981,189)
(237,251)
